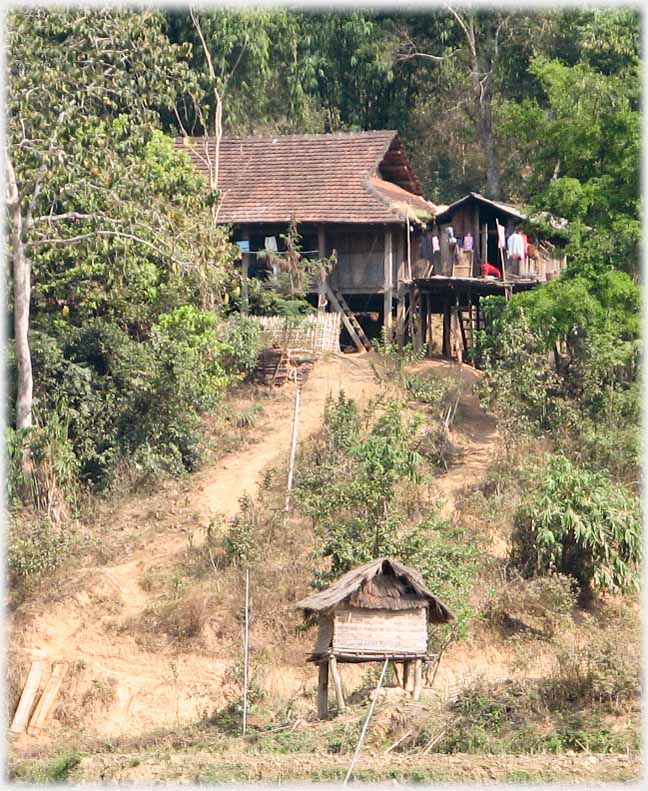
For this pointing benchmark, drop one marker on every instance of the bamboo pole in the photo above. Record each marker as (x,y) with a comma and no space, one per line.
(366,723)
(246,646)
(293,449)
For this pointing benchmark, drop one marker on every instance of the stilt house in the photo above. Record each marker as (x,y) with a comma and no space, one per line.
(356,195)
(352,193)
(377,611)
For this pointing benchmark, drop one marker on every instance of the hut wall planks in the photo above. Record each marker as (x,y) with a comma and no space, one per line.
(391,631)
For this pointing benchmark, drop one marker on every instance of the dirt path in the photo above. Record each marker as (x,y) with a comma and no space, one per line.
(476,433)
(220,488)
(153,688)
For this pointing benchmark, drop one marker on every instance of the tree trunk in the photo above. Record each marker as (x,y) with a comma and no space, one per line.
(22,295)
(484,117)
(487,139)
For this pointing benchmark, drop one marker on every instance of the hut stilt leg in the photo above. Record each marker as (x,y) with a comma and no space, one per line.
(337,684)
(404,681)
(322,691)
(395,666)
(409,683)
(418,679)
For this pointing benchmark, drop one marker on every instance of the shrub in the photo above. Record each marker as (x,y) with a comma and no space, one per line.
(242,337)
(241,543)
(579,523)
(599,668)
(537,606)
(36,548)
(359,489)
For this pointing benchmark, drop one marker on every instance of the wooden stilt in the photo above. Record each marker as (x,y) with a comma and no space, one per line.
(400,315)
(388,285)
(395,666)
(337,683)
(26,704)
(322,691)
(446,330)
(418,679)
(245,263)
(405,674)
(410,314)
(423,315)
(321,283)
(464,340)
(410,676)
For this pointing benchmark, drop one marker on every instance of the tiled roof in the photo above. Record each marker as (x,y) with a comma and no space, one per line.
(359,177)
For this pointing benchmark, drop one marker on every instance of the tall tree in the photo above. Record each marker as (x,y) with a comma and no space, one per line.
(83,168)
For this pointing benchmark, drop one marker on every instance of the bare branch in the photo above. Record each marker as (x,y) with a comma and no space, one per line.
(71,215)
(115,234)
(470,34)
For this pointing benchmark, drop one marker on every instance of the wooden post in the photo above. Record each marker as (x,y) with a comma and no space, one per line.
(321,282)
(395,666)
(26,704)
(400,314)
(409,685)
(322,690)
(245,262)
(405,674)
(446,329)
(464,341)
(337,683)
(423,306)
(429,328)
(484,243)
(410,315)
(475,233)
(388,284)
(418,679)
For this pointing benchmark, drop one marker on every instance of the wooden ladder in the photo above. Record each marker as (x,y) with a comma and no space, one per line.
(352,325)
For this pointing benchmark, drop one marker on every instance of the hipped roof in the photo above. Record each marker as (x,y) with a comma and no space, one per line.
(361,177)
(351,586)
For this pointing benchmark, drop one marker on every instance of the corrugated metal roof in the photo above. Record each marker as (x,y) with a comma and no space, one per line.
(314,178)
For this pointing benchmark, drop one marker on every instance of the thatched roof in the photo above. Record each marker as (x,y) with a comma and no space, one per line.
(384,583)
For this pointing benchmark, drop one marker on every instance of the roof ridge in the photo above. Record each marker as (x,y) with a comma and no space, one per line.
(293,137)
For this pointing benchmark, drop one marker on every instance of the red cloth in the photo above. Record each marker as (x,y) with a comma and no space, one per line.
(489,269)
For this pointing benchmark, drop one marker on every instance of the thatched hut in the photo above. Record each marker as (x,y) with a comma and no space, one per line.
(377,611)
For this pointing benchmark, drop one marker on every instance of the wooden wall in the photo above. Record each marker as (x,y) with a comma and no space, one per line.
(392,631)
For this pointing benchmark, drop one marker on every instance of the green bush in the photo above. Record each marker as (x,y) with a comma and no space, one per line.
(133,400)
(577,522)
(36,548)
(242,337)
(359,487)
